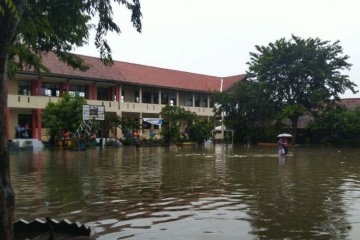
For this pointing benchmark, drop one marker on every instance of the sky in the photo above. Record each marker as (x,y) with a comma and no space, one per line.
(215,37)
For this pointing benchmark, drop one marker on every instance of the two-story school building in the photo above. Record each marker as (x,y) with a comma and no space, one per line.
(126,89)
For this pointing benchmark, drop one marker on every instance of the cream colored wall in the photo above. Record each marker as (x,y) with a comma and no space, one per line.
(32,102)
(13,122)
(13,86)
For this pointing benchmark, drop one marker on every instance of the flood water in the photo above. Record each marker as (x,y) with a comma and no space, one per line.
(216,192)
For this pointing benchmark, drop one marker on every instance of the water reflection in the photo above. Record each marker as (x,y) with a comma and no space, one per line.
(216,192)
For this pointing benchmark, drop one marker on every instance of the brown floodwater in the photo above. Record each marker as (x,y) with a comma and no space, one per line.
(215,192)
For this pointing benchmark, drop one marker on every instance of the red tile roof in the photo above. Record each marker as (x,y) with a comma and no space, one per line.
(350,103)
(140,74)
(231,80)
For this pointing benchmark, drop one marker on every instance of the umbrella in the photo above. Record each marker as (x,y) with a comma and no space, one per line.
(285,135)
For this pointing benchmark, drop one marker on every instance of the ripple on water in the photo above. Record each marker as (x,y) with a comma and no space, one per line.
(219,192)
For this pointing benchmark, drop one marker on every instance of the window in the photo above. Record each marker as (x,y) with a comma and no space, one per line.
(77,90)
(172,99)
(24,88)
(122,95)
(50,89)
(164,98)
(203,101)
(211,102)
(102,93)
(136,96)
(156,98)
(197,100)
(146,97)
(189,100)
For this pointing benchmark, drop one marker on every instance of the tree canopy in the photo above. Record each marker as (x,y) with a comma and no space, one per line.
(246,110)
(30,28)
(299,75)
(174,117)
(337,125)
(56,115)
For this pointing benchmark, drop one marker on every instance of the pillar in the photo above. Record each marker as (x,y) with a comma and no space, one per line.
(140,94)
(117,95)
(33,88)
(86,92)
(159,96)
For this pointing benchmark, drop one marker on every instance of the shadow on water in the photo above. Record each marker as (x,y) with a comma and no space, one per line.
(215,192)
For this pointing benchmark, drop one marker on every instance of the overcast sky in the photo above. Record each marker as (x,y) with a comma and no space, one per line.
(214,37)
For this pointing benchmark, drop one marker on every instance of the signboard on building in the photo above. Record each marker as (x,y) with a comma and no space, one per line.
(93,112)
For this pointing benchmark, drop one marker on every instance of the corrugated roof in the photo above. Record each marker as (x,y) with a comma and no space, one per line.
(140,74)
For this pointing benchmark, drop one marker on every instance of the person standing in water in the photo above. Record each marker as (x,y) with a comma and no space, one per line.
(282,146)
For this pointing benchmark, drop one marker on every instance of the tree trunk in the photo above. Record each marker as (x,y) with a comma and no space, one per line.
(9,20)
(6,191)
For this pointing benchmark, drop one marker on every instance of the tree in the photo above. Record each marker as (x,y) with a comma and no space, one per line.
(246,110)
(128,125)
(64,115)
(29,28)
(337,125)
(174,117)
(301,74)
(200,131)
(109,124)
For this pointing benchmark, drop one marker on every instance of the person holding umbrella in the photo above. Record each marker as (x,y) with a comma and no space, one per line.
(282,143)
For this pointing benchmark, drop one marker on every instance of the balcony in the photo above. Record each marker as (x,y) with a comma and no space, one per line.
(30,102)
(35,102)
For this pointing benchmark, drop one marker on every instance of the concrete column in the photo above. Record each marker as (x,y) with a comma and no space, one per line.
(140,94)
(208,101)
(177,98)
(193,99)
(33,88)
(159,96)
